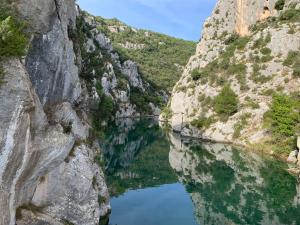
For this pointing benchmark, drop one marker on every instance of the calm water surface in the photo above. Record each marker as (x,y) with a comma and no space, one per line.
(157,178)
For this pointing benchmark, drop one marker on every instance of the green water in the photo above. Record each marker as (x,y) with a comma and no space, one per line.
(157,178)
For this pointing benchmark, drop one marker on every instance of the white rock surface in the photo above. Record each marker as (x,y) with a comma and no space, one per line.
(187,102)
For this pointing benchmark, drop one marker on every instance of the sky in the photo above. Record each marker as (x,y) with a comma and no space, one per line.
(178,18)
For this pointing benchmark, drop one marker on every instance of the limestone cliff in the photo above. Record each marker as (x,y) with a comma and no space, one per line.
(110,78)
(248,46)
(48,174)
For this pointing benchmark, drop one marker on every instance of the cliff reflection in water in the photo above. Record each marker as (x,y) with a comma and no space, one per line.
(136,156)
(230,186)
(226,185)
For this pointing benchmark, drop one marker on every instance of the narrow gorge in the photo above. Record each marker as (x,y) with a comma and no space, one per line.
(104,123)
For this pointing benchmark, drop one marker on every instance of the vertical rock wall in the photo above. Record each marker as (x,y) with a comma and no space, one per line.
(47,170)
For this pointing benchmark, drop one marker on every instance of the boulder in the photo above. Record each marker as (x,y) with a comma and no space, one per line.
(293,157)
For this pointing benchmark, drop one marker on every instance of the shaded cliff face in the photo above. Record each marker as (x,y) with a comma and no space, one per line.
(246,46)
(48,174)
(230,186)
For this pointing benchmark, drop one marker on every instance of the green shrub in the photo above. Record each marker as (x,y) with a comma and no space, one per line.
(237,68)
(296,72)
(267,92)
(290,15)
(262,42)
(251,103)
(293,60)
(13,41)
(266,51)
(226,103)
(231,39)
(167,113)
(241,124)
(203,122)
(67,222)
(1,76)
(266,58)
(122,83)
(106,107)
(279,4)
(257,77)
(283,115)
(292,55)
(142,99)
(283,121)
(196,74)
(237,41)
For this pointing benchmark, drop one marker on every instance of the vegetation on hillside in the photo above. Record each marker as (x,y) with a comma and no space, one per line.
(13,40)
(94,64)
(283,121)
(226,103)
(220,69)
(160,58)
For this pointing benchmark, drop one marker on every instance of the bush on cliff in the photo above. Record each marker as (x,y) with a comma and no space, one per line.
(283,120)
(13,41)
(226,103)
(279,4)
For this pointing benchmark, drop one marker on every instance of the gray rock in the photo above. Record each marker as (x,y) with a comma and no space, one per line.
(65,115)
(50,64)
(70,192)
(36,107)
(30,147)
(103,41)
(130,69)
(293,157)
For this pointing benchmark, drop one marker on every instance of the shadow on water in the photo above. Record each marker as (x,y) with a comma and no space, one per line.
(212,183)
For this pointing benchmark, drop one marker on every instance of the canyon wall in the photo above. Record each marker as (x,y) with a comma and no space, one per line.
(245,45)
(48,172)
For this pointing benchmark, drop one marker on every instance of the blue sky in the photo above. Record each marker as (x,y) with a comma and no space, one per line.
(178,18)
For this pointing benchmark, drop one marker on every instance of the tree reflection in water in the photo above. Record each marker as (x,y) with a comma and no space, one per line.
(226,185)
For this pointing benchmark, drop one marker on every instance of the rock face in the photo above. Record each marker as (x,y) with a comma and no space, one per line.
(120,80)
(266,41)
(248,12)
(48,174)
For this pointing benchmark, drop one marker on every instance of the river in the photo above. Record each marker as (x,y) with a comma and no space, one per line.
(156,177)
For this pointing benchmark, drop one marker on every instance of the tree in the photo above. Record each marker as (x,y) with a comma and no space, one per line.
(226,103)
(13,41)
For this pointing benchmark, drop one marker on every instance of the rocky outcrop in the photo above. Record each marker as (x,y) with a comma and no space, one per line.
(71,190)
(119,79)
(48,174)
(248,12)
(265,39)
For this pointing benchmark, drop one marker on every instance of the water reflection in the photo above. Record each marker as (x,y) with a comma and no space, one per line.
(136,156)
(230,186)
(226,185)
